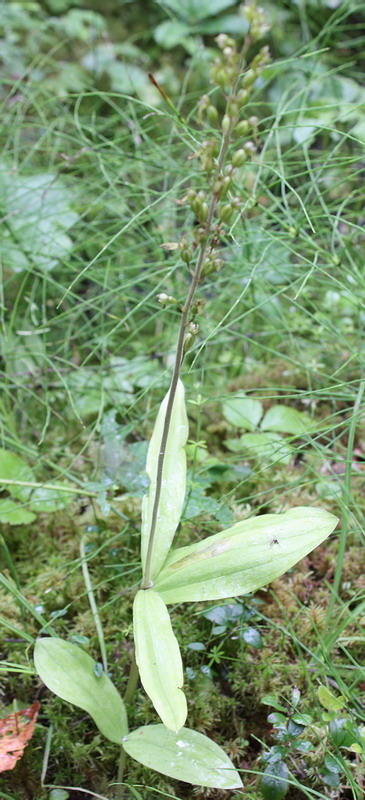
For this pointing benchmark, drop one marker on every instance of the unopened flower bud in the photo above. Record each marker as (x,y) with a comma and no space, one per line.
(226,182)
(204,211)
(226,121)
(242,128)
(249,78)
(186,255)
(242,97)
(212,114)
(254,121)
(164,298)
(223,40)
(197,307)
(225,212)
(250,147)
(188,341)
(193,328)
(239,158)
(233,108)
(196,205)
(221,77)
(200,235)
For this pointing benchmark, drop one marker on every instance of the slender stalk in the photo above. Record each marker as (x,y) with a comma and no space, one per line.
(121,768)
(93,605)
(51,486)
(132,681)
(146,583)
(47,751)
(179,356)
(346,501)
(70,789)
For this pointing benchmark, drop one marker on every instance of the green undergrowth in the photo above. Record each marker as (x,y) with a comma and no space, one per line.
(92,174)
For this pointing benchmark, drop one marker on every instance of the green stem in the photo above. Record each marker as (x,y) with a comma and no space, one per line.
(346,501)
(132,682)
(147,578)
(128,696)
(120,776)
(93,606)
(50,486)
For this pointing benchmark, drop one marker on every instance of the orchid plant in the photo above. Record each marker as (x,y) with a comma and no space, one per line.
(236,561)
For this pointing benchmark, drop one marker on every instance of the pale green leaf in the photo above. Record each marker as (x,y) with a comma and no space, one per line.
(15,468)
(170,32)
(262,447)
(69,673)
(39,214)
(243,558)
(13,513)
(328,700)
(173,481)
(44,499)
(284,419)
(243,412)
(228,23)
(158,658)
(186,756)
(194,10)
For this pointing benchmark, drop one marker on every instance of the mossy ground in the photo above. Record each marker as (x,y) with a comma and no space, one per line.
(225,682)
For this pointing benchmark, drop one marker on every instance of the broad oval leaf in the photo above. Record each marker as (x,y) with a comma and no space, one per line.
(243,558)
(274,783)
(243,412)
(69,673)
(158,658)
(186,756)
(173,481)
